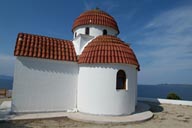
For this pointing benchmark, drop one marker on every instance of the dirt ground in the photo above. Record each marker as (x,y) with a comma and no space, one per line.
(165,116)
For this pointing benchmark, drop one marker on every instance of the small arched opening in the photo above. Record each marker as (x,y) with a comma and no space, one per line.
(104,32)
(87,30)
(75,34)
(121,80)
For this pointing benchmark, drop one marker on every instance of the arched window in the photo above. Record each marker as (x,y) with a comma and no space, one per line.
(87,30)
(75,34)
(104,32)
(121,80)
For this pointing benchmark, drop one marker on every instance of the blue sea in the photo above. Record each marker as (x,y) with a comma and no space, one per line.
(6,82)
(161,91)
(149,91)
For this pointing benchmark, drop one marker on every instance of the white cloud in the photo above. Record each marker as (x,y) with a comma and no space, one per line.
(109,5)
(104,5)
(169,42)
(88,5)
(7,65)
(174,21)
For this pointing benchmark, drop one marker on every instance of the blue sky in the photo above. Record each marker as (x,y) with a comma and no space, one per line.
(159,31)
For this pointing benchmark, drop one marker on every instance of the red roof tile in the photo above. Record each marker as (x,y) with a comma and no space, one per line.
(108,49)
(95,17)
(44,47)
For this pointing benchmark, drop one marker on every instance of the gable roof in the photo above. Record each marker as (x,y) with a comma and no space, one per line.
(95,17)
(37,46)
(108,49)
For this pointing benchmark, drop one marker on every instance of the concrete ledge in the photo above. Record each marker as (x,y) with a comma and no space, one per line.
(165,101)
(5,105)
(142,113)
(36,116)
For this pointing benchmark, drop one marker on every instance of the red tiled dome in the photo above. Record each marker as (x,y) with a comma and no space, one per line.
(108,49)
(95,17)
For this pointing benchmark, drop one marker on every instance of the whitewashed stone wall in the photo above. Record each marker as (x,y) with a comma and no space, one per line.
(97,92)
(44,85)
(94,30)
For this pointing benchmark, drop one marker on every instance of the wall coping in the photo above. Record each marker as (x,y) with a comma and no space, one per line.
(166,101)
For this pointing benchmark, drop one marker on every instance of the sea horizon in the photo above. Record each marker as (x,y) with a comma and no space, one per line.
(144,90)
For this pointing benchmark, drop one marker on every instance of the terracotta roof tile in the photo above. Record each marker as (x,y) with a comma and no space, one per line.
(108,49)
(44,47)
(95,17)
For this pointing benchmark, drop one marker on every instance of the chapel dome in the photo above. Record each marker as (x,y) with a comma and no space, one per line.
(95,17)
(108,49)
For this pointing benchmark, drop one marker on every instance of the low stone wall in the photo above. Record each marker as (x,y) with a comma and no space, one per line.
(166,101)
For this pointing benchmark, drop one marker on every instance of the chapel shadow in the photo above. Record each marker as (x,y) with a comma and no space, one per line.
(155,107)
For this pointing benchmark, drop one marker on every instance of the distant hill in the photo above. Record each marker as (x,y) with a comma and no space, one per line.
(6,82)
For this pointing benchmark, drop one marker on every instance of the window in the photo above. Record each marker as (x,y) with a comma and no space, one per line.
(75,34)
(87,30)
(104,32)
(121,80)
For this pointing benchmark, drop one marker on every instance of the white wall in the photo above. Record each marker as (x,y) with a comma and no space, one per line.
(97,92)
(165,101)
(44,85)
(81,39)
(95,30)
(80,42)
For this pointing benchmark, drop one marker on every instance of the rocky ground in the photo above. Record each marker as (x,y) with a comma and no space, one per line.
(165,116)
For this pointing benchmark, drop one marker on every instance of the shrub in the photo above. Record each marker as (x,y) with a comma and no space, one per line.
(173,96)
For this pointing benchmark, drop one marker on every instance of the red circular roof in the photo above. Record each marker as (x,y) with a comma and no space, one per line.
(96,17)
(108,49)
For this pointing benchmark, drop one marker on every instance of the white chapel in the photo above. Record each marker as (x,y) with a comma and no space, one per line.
(95,73)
